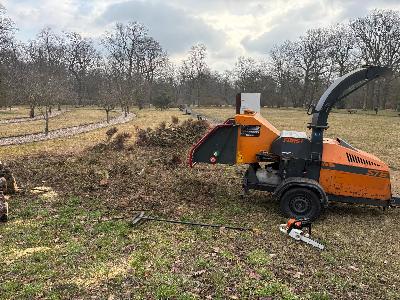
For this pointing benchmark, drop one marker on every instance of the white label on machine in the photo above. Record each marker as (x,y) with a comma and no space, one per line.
(250,101)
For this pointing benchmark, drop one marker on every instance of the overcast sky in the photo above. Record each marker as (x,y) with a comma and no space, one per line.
(229,28)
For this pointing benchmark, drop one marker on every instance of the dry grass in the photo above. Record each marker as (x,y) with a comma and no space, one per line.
(70,247)
(15,112)
(71,118)
(145,118)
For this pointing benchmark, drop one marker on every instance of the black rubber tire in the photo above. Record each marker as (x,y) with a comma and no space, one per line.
(299,202)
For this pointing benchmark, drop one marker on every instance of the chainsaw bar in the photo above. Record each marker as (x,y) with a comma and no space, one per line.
(299,235)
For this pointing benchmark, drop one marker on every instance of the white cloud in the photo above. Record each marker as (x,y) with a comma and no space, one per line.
(229,27)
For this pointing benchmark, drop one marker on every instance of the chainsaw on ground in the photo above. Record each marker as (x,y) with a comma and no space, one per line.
(295,229)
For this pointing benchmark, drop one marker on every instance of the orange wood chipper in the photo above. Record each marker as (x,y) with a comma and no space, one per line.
(304,174)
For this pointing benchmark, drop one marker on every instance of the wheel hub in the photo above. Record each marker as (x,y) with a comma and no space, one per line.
(300,204)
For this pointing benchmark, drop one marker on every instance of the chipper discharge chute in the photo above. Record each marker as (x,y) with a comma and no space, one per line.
(304,173)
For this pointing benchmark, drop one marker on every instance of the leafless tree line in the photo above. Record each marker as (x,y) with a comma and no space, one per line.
(302,69)
(130,67)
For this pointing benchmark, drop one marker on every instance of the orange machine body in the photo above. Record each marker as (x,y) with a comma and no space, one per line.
(248,146)
(354,173)
(305,172)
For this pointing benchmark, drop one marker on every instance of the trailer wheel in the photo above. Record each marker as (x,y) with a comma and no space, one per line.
(300,202)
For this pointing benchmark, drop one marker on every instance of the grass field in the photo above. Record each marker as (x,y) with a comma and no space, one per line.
(76,144)
(68,246)
(75,117)
(15,112)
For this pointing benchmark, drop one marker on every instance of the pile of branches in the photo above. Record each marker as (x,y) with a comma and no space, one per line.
(114,140)
(186,133)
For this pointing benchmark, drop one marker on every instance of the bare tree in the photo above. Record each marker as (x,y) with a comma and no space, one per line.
(46,81)
(153,59)
(8,56)
(312,60)
(135,56)
(107,90)
(378,40)
(247,73)
(253,76)
(187,77)
(82,57)
(195,67)
(342,49)
(226,85)
(286,76)
(7,30)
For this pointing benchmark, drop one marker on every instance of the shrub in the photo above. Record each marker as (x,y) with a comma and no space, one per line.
(162,101)
(118,143)
(174,120)
(110,132)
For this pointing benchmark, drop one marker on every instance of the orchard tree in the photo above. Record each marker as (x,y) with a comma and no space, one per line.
(378,40)
(285,75)
(311,58)
(8,56)
(247,74)
(153,60)
(107,89)
(45,58)
(124,47)
(81,58)
(342,50)
(136,57)
(195,69)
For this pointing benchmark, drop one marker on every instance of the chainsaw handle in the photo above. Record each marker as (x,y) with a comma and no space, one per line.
(298,224)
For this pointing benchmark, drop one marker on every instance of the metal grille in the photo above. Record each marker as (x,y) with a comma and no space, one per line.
(359,160)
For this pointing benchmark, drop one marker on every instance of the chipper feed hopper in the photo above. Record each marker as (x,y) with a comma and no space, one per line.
(303,173)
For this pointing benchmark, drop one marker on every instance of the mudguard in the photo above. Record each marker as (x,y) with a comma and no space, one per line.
(301,182)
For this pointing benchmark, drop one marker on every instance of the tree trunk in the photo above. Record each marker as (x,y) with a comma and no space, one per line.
(373,97)
(108,115)
(198,96)
(305,88)
(46,118)
(150,92)
(386,87)
(366,95)
(126,110)
(59,107)
(50,110)
(32,112)
(140,103)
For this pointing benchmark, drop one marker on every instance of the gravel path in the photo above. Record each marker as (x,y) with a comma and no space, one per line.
(63,132)
(27,119)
